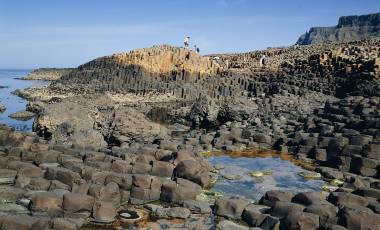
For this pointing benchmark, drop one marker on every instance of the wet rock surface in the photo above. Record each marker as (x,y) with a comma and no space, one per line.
(131,132)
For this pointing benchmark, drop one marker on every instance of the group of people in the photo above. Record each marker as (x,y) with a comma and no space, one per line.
(186,43)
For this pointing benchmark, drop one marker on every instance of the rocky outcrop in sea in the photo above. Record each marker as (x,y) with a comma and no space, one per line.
(48,74)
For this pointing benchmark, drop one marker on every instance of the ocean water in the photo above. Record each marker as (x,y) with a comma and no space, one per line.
(281,175)
(14,103)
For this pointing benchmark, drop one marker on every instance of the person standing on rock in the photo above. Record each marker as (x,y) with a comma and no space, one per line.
(196,49)
(262,61)
(187,42)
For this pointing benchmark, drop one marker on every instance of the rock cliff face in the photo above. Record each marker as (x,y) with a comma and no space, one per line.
(349,28)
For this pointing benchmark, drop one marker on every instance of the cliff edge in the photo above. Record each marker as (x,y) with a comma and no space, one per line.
(349,28)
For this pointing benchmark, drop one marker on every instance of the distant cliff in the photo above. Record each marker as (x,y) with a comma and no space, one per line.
(349,28)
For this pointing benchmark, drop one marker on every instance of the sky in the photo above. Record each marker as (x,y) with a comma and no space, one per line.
(68,33)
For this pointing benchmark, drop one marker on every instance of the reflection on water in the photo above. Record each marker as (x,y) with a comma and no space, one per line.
(243,176)
(13,103)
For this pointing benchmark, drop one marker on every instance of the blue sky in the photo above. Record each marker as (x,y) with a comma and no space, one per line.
(60,33)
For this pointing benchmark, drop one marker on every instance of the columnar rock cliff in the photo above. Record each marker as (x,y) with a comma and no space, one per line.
(161,69)
(349,28)
(185,75)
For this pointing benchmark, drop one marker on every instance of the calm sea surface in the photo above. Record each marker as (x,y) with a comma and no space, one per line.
(13,103)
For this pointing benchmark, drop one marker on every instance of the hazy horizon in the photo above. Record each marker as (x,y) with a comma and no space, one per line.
(69,33)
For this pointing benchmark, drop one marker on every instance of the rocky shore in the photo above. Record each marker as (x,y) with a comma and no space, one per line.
(47,74)
(127,135)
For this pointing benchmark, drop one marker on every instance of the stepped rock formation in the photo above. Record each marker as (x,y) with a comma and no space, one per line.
(349,28)
(160,68)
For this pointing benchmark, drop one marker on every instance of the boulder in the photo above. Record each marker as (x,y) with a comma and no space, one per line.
(95,175)
(104,211)
(17,222)
(46,202)
(347,199)
(80,186)
(38,184)
(63,224)
(300,220)
(372,151)
(271,197)
(7,176)
(145,188)
(308,198)
(73,202)
(326,212)
(54,184)
(141,168)
(192,170)
(123,180)
(230,208)
(176,212)
(63,175)
(42,224)
(330,173)
(283,208)
(143,195)
(162,168)
(50,156)
(369,192)
(269,223)
(108,193)
(146,181)
(121,166)
(358,218)
(11,193)
(254,214)
(229,225)
(197,206)
(179,190)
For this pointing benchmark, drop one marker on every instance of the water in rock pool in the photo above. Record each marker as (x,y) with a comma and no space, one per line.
(252,177)
(14,103)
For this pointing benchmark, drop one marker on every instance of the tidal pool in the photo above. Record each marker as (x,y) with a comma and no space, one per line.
(14,103)
(251,177)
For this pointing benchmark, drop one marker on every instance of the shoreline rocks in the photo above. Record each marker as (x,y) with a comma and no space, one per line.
(47,74)
(120,132)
